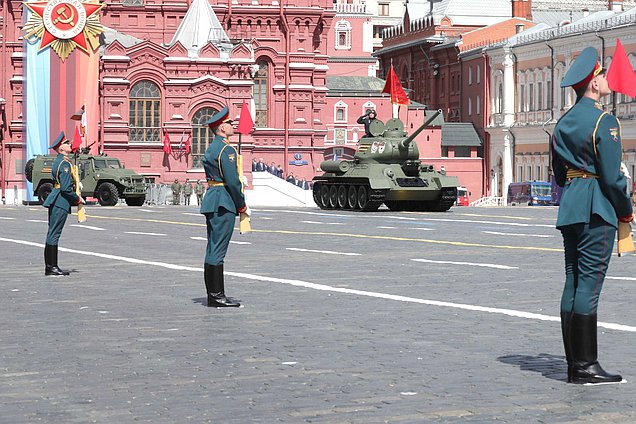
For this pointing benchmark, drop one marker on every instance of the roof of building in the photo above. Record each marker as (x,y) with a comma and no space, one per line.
(492,33)
(460,134)
(576,4)
(110,35)
(462,12)
(354,86)
(198,27)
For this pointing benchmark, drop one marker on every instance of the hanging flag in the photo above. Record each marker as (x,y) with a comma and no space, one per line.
(188,144)
(245,124)
(167,148)
(394,89)
(620,75)
(77,140)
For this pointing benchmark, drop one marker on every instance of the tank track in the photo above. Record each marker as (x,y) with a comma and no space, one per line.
(357,197)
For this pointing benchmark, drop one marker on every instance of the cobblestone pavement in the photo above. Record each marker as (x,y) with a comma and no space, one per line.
(348,318)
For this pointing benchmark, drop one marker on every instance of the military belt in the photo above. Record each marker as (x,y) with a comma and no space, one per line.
(216,184)
(576,173)
(57,185)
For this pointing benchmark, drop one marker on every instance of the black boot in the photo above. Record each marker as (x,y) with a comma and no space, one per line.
(213,275)
(586,369)
(566,318)
(50,261)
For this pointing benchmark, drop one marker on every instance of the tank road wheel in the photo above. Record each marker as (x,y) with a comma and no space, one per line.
(44,190)
(315,191)
(324,196)
(28,170)
(352,198)
(363,197)
(342,197)
(107,194)
(333,196)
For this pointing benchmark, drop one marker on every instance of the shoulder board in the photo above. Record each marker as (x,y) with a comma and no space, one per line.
(594,134)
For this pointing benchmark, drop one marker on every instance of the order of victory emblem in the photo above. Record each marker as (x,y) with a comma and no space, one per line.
(64,25)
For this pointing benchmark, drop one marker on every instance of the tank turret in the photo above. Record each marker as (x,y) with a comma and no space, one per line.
(385,169)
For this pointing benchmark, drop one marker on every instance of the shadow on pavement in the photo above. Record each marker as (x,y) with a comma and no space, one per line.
(550,366)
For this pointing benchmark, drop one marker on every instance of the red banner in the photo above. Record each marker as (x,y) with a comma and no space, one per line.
(394,88)
(620,75)
(246,124)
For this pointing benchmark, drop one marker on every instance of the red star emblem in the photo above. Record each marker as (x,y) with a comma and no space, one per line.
(64,20)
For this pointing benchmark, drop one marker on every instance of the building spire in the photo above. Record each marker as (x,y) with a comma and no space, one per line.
(199,26)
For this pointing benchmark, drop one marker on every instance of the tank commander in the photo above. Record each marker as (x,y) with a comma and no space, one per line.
(366,119)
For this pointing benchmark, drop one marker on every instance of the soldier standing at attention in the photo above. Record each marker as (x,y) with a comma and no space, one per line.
(223,200)
(59,203)
(176,189)
(586,158)
(187,191)
(199,189)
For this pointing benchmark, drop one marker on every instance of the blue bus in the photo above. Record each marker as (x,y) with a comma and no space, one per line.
(531,193)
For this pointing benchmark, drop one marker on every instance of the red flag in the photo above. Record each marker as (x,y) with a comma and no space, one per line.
(188,142)
(395,90)
(246,124)
(167,148)
(620,75)
(77,140)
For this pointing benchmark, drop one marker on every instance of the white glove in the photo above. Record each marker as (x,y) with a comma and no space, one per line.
(248,211)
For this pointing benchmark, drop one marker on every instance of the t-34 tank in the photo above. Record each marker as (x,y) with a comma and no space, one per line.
(385,169)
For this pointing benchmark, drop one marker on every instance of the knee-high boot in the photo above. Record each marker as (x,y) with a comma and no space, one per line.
(50,261)
(214,285)
(586,368)
(566,318)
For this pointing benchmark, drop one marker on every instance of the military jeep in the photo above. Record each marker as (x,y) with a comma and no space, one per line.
(102,177)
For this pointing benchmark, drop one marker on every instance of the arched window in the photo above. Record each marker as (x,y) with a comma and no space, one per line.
(261,89)
(201,135)
(145,113)
(500,98)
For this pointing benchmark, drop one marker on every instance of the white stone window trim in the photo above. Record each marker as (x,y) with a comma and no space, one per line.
(340,106)
(343,27)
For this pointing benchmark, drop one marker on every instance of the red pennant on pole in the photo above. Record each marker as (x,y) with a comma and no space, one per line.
(167,148)
(246,124)
(188,144)
(77,140)
(394,89)
(620,75)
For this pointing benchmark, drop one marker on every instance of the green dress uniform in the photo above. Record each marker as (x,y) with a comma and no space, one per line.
(176,190)
(59,203)
(223,200)
(586,157)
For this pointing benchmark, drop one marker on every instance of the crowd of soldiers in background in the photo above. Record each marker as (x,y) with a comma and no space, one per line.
(260,166)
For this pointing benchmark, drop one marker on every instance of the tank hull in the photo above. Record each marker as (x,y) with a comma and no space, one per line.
(365,187)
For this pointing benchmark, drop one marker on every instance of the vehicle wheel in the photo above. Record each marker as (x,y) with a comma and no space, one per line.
(363,197)
(44,190)
(342,197)
(333,196)
(135,201)
(28,170)
(324,196)
(107,194)
(352,197)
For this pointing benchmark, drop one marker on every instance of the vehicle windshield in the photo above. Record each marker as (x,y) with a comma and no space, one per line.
(461,193)
(107,163)
(541,190)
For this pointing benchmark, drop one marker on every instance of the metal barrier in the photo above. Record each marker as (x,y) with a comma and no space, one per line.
(158,194)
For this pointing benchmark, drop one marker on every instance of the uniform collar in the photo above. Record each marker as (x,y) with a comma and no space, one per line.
(591,102)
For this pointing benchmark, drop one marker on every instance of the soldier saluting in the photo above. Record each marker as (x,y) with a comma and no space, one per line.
(223,200)
(59,203)
(586,158)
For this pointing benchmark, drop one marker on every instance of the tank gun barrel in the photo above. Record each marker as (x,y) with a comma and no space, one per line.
(405,143)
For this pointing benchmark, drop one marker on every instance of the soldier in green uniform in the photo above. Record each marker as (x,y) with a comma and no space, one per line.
(187,191)
(586,158)
(223,200)
(59,203)
(176,190)
(199,189)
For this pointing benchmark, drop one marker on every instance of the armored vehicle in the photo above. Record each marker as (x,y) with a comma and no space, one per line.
(385,169)
(102,177)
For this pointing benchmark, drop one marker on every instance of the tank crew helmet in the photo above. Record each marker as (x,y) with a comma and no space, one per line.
(219,118)
(58,141)
(583,70)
